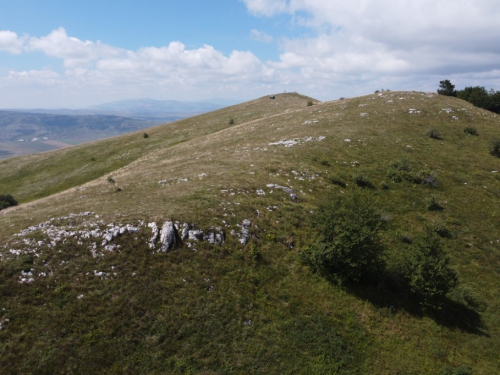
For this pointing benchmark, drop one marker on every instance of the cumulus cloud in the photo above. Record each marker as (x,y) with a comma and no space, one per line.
(398,36)
(73,51)
(94,70)
(260,36)
(10,42)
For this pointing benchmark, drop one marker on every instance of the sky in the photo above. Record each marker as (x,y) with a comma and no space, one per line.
(73,53)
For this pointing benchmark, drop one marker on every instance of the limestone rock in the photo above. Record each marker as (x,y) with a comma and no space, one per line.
(154,238)
(168,236)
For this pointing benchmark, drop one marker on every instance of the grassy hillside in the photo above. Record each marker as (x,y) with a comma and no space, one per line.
(253,307)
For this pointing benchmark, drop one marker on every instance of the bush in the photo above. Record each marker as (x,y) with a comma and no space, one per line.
(494,146)
(471,130)
(440,228)
(349,246)
(231,121)
(146,135)
(112,181)
(399,170)
(309,103)
(337,181)
(428,271)
(362,181)
(7,200)
(433,205)
(433,133)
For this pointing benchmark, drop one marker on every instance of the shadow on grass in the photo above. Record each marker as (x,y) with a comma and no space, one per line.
(450,313)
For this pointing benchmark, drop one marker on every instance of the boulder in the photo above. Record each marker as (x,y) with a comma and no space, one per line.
(168,236)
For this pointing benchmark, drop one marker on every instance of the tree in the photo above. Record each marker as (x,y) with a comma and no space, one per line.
(477,96)
(7,200)
(428,271)
(349,246)
(446,88)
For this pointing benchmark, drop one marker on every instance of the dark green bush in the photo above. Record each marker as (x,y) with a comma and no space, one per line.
(309,103)
(433,133)
(428,271)
(399,170)
(146,135)
(494,146)
(337,181)
(440,228)
(433,204)
(231,121)
(348,247)
(362,181)
(470,130)
(7,200)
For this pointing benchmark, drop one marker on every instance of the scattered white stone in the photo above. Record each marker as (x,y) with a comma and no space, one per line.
(347,140)
(364,114)
(260,192)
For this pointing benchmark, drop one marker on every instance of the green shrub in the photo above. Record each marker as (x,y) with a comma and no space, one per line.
(362,181)
(349,247)
(337,181)
(309,103)
(146,135)
(428,271)
(231,121)
(399,170)
(7,200)
(494,146)
(112,181)
(440,228)
(433,204)
(433,133)
(92,158)
(471,130)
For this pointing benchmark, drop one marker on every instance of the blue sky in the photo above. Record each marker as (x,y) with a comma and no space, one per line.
(80,53)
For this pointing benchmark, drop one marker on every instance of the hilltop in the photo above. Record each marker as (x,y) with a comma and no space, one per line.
(84,288)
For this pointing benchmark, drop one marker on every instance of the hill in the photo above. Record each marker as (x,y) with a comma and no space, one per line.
(86,289)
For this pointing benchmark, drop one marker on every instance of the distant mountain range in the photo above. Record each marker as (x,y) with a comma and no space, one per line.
(53,128)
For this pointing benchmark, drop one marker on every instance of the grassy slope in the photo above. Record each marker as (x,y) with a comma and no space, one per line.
(299,321)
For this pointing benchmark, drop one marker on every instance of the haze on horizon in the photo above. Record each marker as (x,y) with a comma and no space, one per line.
(77,54)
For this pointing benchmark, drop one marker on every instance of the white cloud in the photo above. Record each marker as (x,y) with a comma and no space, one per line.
(95,72)
(266,7)
(73,51)
(10,42)
(260,36)
(369,40)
